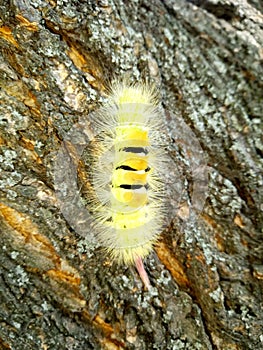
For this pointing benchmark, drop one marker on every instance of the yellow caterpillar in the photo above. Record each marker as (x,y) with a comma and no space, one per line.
(128,205)
(136,189)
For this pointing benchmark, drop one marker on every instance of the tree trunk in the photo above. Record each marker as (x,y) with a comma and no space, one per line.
(57,289)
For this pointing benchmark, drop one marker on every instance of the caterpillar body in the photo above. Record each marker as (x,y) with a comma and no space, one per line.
(135,181)
(128,203)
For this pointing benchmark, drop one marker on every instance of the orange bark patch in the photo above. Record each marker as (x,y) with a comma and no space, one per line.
(64,277)
(20,91)
(6,34)
(172,264)
(24,22)
(238,221)
(88,65)
(29,145)
(25,233)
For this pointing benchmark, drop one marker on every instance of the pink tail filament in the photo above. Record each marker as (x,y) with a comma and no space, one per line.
(142,272)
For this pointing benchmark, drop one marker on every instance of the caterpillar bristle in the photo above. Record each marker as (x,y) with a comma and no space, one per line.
(124,92)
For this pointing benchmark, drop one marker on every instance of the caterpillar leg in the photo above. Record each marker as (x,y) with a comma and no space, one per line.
(143,274)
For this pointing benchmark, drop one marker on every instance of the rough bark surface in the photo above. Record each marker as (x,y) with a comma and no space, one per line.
(57,291)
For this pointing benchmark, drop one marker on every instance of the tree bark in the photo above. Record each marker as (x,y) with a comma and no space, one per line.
(57,289)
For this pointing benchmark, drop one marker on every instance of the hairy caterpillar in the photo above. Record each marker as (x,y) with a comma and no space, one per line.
(136,188)
(128,205)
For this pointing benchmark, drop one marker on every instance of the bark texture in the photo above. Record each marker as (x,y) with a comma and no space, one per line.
(57,291)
